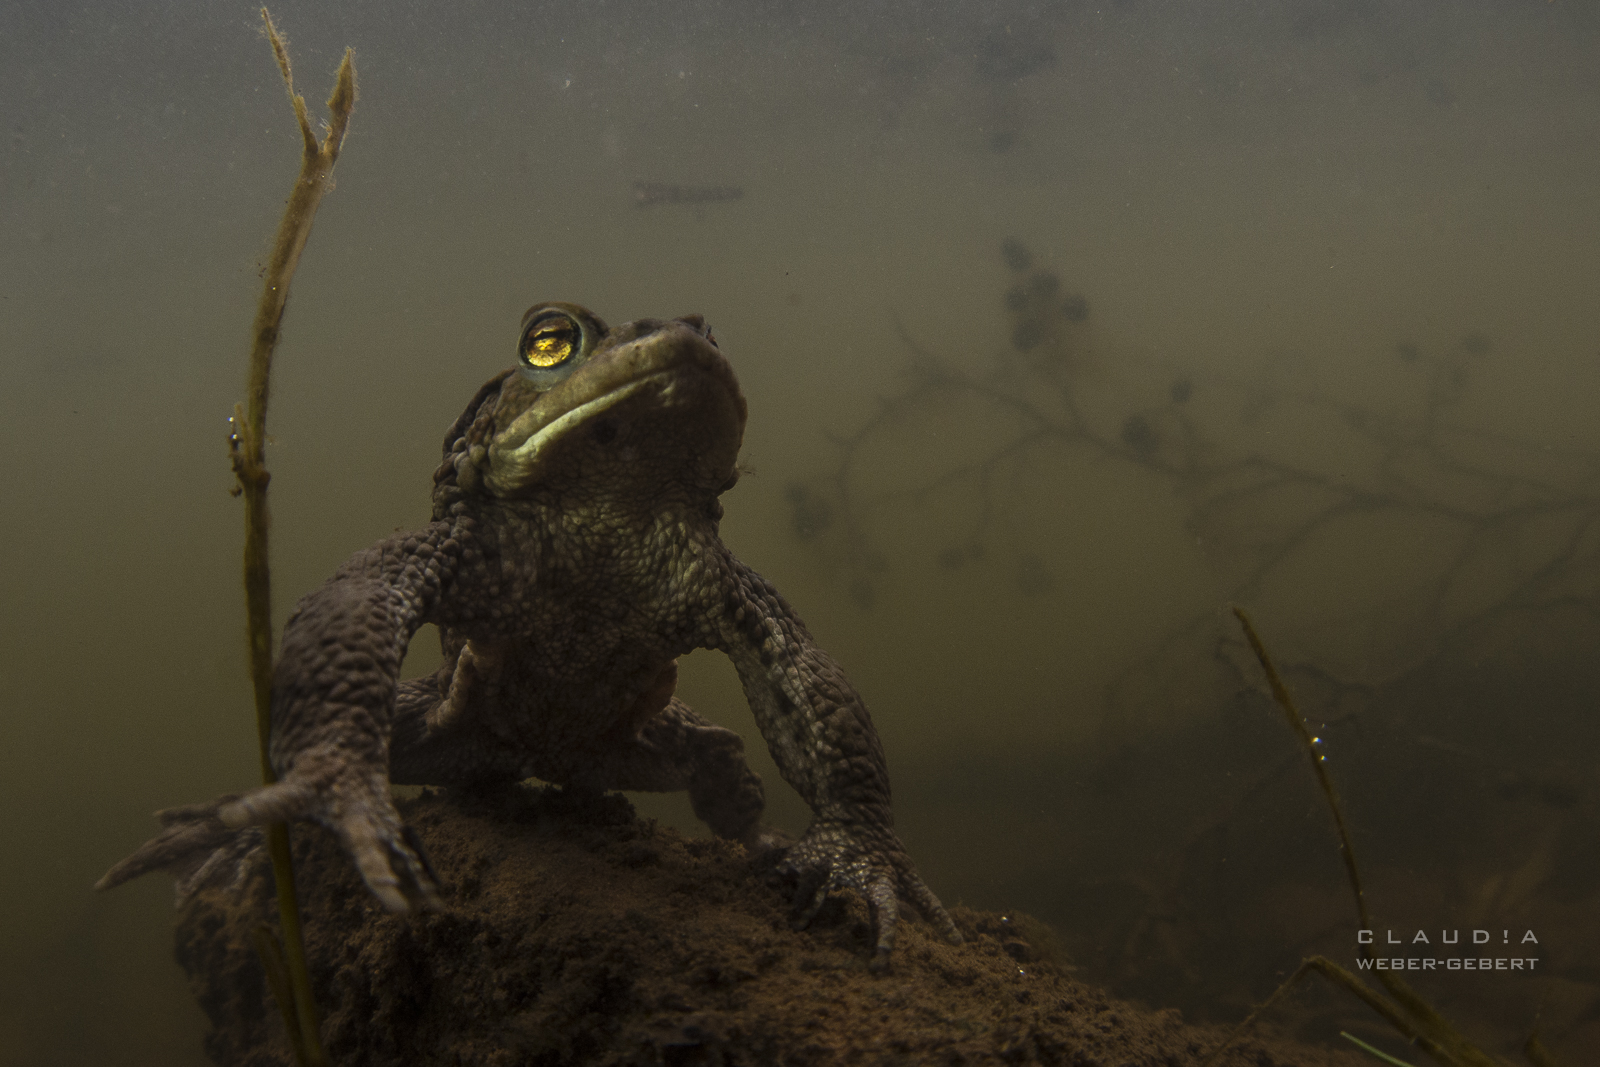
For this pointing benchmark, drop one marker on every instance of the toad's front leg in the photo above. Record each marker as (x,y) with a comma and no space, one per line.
(826,748)
(333,702)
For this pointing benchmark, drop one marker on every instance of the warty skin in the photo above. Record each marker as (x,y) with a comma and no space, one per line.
(572,557)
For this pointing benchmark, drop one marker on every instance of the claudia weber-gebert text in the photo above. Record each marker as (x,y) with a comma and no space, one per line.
(1503,963)
(1446,937)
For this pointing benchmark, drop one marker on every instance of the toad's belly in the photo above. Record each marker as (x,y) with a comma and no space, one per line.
(552,715)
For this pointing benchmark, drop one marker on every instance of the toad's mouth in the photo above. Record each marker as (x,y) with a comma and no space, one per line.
(510,467)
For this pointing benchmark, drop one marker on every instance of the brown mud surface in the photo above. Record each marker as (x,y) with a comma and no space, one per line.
(574,932)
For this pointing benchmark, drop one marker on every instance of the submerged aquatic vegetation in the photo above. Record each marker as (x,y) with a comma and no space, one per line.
(285,964)
(1270,475)
(1404,1008)
(1437,567)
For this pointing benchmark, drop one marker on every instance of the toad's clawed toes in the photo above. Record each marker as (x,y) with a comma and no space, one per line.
(353,802)
(390,858)
(914,890)
(386,851)
(871,861)
(195,846)
(810,894)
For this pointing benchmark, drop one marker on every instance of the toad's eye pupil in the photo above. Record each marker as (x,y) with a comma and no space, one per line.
(554,341)
(551,342)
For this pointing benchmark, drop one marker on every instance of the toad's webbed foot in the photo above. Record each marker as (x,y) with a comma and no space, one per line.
(352,801)
(872,861)
(195,846)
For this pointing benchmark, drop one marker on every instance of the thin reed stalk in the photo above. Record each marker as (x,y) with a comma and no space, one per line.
(285,964)
(1404,1008)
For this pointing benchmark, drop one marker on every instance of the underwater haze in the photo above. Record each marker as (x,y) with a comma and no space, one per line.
(1062,326)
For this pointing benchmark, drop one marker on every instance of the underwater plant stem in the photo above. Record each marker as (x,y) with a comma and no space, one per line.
(1377,1053)
(1297,722)
(1414,1017)
(249,466)
(270,951)
(1339,976)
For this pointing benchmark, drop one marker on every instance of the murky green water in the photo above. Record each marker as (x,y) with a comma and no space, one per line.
(1267,202)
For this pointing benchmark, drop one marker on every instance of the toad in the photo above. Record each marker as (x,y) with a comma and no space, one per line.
(572,557)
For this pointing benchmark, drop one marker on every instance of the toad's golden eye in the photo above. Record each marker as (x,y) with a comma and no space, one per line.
(555,339)
(551,341)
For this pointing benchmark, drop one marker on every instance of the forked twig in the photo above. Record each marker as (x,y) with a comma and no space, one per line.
(285,965)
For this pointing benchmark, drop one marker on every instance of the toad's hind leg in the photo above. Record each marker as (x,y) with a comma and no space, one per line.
(434,743)
(677,750)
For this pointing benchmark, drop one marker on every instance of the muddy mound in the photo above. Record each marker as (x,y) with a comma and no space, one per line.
(574,932)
